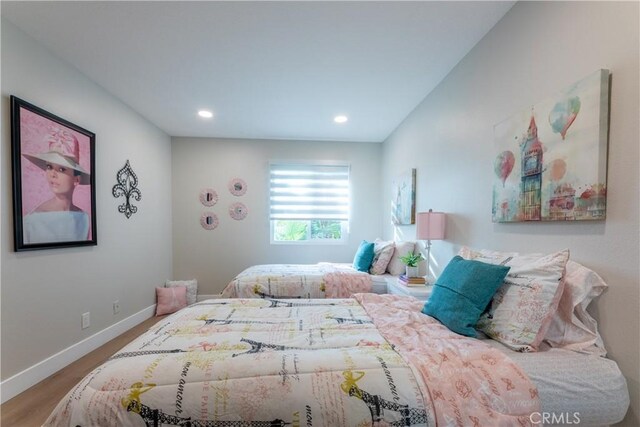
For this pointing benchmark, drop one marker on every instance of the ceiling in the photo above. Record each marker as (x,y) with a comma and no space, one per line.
(267,70)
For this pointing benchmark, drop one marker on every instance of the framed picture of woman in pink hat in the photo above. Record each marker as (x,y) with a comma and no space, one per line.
(53,180)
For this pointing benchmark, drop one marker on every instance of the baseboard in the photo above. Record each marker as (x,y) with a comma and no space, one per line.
(205,297)
(31,376)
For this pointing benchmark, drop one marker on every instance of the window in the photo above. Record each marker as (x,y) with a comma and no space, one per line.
(309,203)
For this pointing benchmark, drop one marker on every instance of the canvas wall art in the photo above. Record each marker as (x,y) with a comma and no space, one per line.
(551,159)
(403,204)
(53,180)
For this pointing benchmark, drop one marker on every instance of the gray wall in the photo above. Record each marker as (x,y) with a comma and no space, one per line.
(536,50)
(45,292)
(215,257)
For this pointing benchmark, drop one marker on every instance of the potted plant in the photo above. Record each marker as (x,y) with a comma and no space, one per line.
(411,260)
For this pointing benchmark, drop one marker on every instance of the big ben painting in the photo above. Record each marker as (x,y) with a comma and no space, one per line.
(551,161)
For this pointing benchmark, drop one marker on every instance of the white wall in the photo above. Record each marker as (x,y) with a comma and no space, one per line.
(45,292)
(537,49)
(215,257)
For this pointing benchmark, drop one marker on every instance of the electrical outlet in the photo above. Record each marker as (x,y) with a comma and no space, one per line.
(86,320)
(116,307)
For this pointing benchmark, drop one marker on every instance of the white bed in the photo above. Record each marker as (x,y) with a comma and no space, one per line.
(361,361)
(572,384)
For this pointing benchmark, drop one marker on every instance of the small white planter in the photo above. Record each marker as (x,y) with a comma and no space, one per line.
(412,271)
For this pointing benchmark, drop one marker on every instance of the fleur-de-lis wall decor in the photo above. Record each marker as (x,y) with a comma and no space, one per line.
(127,186)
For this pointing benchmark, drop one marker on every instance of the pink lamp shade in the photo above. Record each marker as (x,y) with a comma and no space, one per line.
(430,225)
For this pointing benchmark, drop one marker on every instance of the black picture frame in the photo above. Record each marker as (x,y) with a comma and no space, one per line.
(54,189)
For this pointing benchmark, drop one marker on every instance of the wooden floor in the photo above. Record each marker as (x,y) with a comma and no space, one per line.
(33,406)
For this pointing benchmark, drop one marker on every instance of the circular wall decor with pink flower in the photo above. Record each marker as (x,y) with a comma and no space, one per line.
(208,197)
(209,220)
(237,186)
(238,211)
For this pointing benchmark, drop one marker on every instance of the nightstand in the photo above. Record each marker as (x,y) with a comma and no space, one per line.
(419,292)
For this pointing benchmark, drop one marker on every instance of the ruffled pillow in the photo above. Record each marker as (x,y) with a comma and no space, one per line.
(382,253)
(572,327)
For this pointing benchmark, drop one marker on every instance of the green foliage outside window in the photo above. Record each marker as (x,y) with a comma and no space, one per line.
(325,229)
(291,230)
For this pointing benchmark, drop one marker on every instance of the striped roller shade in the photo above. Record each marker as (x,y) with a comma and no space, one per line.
(308,192)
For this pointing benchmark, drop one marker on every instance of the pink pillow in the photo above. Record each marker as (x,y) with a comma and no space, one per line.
(572,327)
(170,300)
(382,253)
(521,311)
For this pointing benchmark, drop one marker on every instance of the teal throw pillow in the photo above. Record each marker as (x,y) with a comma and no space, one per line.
(364,257)
(462,293)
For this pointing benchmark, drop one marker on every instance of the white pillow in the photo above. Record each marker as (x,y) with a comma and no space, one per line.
(572,327)
(497,257)
(396,267)
(191,285)
(382,253)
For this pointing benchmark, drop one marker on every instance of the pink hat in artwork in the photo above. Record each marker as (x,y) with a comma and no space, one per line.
(64,150)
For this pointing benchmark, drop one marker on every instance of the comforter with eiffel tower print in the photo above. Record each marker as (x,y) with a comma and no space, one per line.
(374,360)
(321,280)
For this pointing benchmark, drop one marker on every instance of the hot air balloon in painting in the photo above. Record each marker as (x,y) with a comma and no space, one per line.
(557,169)
(503,165)
(563,114)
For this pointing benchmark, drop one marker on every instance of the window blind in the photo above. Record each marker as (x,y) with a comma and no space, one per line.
(309,192)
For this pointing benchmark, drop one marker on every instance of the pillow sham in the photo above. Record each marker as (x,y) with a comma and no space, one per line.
(191,285)
(462,293)
(170,300)
(521,310)
(572,327)
(382,253)
(485,255)
(364,256)
(396,267)
(498,257)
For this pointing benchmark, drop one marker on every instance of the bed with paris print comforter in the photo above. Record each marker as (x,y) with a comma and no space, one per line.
(321,280)
(369,360)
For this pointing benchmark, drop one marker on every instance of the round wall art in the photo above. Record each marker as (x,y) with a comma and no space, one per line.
(209,220)
(237,186)
(238,211)
(208,197)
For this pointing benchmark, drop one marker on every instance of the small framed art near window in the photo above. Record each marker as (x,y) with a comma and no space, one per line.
(54,198)
(403,204)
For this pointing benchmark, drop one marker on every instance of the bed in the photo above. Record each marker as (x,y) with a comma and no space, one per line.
(576,386)
(322,280)
(367,360)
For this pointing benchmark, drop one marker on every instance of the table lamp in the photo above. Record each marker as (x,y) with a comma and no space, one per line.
(430,226)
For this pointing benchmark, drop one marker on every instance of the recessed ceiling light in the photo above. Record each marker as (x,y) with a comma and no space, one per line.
(205,114)
(340,119)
